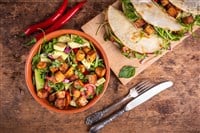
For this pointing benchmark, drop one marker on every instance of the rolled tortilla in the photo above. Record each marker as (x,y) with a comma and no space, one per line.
(129,35)
(155,16)
(190,6)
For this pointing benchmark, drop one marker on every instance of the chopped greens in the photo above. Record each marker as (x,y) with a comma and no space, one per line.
(78,39)
(129,10)
(168,35)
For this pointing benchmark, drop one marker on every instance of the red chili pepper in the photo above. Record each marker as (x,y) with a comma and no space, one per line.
(46,23)
(59,23)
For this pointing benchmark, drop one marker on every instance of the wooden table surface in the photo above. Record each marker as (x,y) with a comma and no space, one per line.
(176,110)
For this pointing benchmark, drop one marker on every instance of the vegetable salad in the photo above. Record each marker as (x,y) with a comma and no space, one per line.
(68,72)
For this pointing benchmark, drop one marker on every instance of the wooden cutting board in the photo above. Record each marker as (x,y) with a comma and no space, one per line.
(116,59)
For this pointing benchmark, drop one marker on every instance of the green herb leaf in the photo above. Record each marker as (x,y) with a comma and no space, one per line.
(127,72)
(57,86)
(35,61)
(140,56)
(78,39)
(129,10)
(197,20)
(99,89)
(168,35)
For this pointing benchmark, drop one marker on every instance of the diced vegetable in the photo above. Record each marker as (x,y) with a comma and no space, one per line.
(59,46)
(74,45)
(64,39)
(100,81)
(86,64)
(39,79)
(57,54)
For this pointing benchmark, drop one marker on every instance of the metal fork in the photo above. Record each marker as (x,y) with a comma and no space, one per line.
(134,92)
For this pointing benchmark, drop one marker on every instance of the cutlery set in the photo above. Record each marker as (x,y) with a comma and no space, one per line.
(139,94)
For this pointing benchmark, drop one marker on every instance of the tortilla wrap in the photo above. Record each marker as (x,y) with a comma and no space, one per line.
(190,6)
(129,35)
(155,16)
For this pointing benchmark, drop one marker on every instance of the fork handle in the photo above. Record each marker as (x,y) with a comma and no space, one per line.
(100,125)
(91,119)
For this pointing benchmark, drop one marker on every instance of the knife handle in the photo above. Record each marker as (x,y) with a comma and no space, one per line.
(91,119)
(101,124)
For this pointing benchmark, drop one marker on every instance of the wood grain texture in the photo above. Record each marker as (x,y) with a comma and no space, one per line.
(176,110)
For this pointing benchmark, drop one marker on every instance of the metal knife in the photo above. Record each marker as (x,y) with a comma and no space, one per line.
(132,104)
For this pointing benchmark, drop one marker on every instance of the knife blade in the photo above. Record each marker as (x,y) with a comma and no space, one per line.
(148,95)
(132,104)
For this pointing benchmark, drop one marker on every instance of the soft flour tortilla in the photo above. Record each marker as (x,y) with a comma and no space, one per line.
(155,16)
(190,6)
(129,35)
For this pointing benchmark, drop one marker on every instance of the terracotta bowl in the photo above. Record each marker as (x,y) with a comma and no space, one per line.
(28,71)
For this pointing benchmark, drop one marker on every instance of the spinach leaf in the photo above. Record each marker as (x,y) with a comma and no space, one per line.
(127,72)
(99,89)
(129,10)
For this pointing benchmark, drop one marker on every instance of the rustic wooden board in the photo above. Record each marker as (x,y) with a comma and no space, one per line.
(116,59)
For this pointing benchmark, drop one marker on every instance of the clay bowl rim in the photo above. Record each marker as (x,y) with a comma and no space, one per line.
(28,70)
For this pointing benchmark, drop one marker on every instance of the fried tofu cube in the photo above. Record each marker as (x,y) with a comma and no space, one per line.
(172,11)
(139,23)
(188,19)
(69,72)
(59,76)
(80,55)
(92,78)
(86,49)
(63,68)
(91,56)
(149,29)
(100,71)
(164,2)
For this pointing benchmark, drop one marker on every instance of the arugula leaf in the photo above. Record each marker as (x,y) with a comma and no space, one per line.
(127,72)
(78,39)
(35,61)
(47,47)
(140,56)
(168,35)
(129,10)
(57,86)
